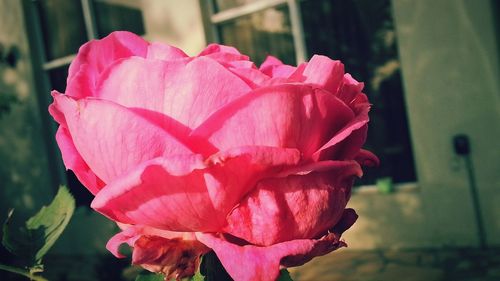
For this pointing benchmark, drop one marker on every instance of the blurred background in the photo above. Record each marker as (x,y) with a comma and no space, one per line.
(431,70)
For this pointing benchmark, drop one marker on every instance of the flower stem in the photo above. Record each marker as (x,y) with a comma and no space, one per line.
(22,272)
(213,269)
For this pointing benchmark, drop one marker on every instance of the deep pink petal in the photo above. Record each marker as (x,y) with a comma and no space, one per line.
(294,207)
(358,124)
(324,72)
(263,263)
(350,89)
(95,56)
(273,67)
(290,116)
(187,193)
(74,161)
(225,55)
(114,142)
(185,90)
(367,158)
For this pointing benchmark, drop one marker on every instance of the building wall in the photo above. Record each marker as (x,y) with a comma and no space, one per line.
(451,75)
(25,180)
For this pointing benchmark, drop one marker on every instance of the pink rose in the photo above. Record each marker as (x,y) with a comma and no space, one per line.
(190,154)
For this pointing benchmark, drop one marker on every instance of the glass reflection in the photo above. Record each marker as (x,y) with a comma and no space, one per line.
(260,34)
(62,26)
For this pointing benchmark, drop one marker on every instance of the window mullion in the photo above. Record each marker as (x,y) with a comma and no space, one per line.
(297,31)
(89,18)
(244,10)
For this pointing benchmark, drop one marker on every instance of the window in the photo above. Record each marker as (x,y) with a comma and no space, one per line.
(59,27)
(359,32)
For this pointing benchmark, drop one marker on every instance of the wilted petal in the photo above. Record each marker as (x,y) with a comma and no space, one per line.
(175,254)
(294,207)
(290,116)
(114,142)
(187,193)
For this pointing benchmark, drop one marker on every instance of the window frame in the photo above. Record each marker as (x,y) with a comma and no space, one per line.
(212,19)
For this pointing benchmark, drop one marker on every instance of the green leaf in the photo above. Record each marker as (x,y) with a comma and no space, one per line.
(32,241)
(284,275)
(197,277)
(150,277)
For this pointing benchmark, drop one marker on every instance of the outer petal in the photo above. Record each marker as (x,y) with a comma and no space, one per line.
(254,263)
(295,207)
(187,91)
(187,193)
(74,161)
(114,142)
(292,116)
(95,56)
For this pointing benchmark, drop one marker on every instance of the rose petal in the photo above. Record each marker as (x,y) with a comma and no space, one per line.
(189,193)
(74,161)
(95,56)
(187,91)
(290,116)
(254,263)
(298,206)
(225,55)
(358,124)
(158,51)
(273,67)
(366,158)
(111,144)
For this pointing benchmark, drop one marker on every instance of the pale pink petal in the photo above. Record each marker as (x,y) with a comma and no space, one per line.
(95,56)
(74,161)
(291,116)
(273,67)
(254,263)
(187,91)
(114,142)
(189,193)
(158,51)
(324,72)
(294,207)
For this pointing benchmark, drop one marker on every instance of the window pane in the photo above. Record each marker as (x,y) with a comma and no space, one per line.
(260,34)
(221,5)
(57,77)
(62,26)
(361,34)
(113,15)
